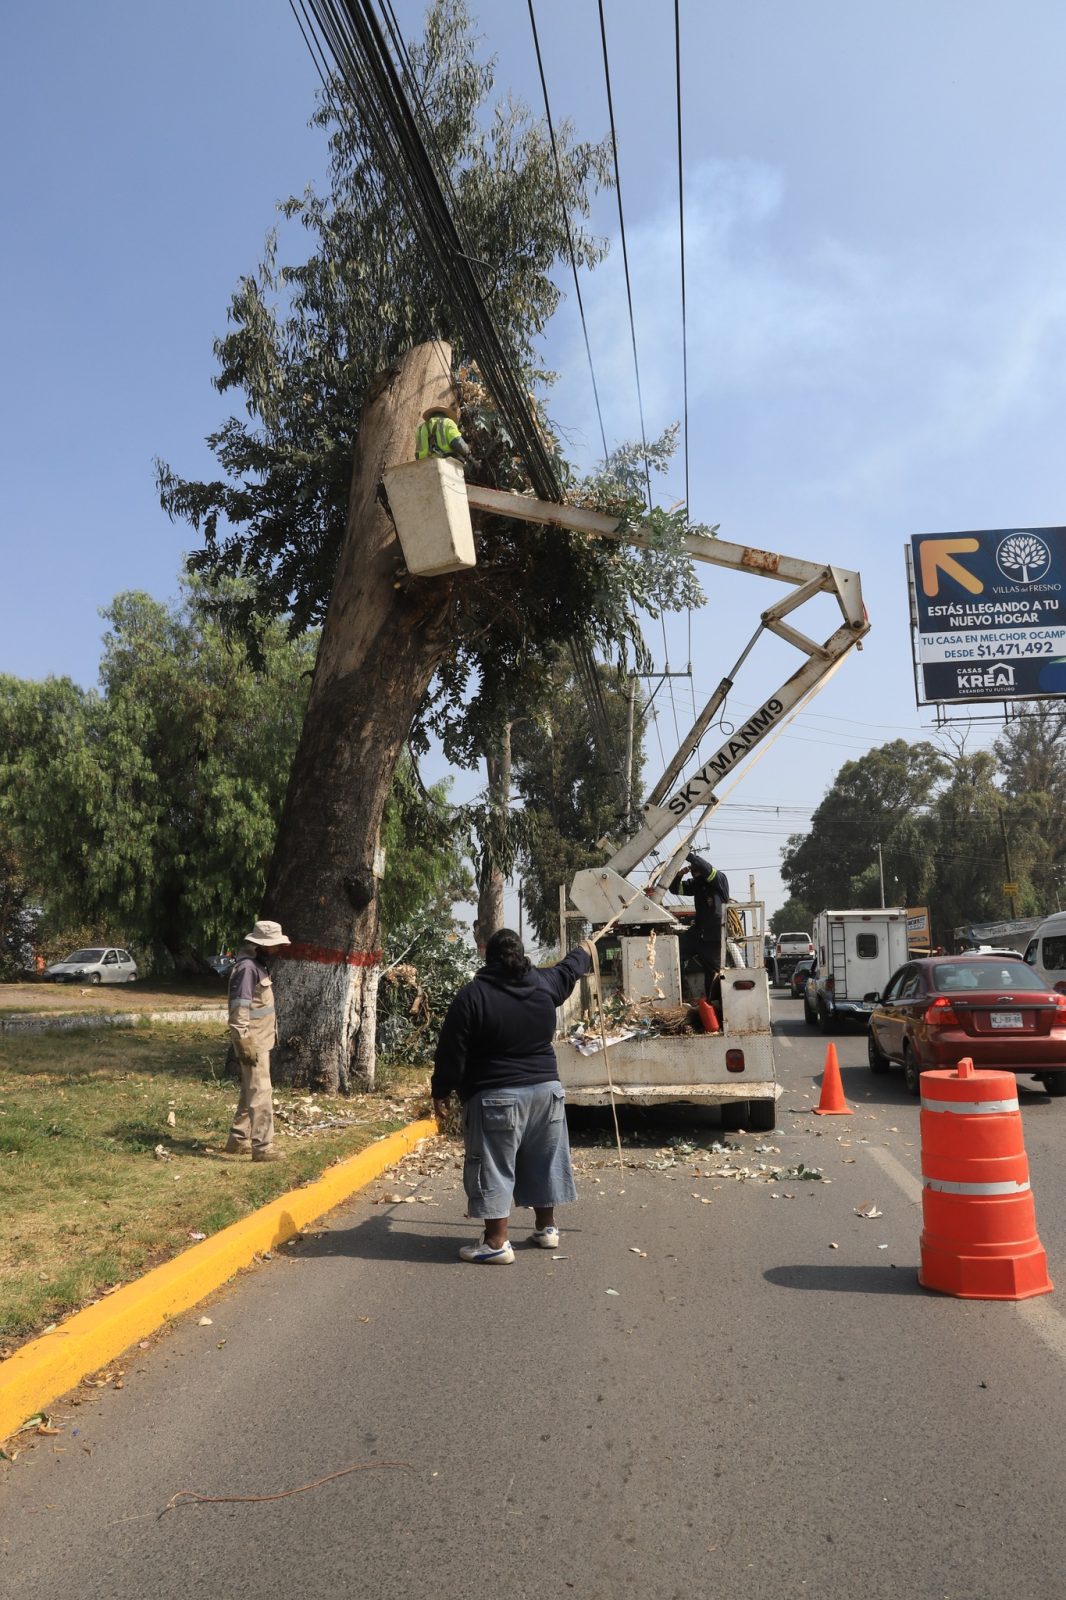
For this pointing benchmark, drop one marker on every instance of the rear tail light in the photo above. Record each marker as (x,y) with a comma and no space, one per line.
(734,1061)
(829,984)
(941,1014)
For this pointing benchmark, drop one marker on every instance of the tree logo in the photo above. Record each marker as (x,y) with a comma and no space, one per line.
(1023,558)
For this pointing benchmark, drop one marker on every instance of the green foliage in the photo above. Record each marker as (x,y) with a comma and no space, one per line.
(427,960)
(793,917)
(880,799)
(151,807)
(946,825)
(16,916)
(569,799)
(424,839)
(972,818)
(307,340)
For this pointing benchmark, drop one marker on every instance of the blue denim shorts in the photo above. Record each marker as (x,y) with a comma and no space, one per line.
(517,1149)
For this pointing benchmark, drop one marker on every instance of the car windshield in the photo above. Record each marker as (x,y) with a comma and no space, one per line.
(83,956)
(794,938)
(951,977)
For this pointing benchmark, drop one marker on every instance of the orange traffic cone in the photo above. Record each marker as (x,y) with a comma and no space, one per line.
(832,1102)
(979,1240)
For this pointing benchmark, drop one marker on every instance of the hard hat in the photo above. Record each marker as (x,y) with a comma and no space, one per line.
(447,411)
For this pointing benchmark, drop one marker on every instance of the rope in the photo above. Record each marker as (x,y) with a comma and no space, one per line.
(603,1039)
(194,1498)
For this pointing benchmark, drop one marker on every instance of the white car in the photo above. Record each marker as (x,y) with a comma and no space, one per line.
(101,964)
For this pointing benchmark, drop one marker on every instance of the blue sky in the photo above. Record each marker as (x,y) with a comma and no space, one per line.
(877,303)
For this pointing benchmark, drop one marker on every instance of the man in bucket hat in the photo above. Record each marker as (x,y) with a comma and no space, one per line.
(253,1029)
(438,434)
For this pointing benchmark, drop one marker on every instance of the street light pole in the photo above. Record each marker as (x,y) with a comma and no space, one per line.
(881,875)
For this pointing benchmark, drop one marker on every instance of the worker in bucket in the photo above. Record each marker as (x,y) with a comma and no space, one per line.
(438,435)
(702,942)
(253,1032)
(495,1049)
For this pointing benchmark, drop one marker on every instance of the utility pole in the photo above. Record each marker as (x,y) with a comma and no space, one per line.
(881,875)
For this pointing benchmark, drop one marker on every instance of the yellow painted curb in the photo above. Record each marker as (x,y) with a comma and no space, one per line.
(41,1371)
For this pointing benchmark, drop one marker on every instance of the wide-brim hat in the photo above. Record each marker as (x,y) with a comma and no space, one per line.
(266,934)
(448,411)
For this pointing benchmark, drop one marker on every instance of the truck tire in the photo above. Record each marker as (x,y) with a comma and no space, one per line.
(762,1116)
(878,1062)
(825,1021)
(810,1017)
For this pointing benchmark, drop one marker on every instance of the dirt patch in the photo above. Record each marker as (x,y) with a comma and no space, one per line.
(36,999)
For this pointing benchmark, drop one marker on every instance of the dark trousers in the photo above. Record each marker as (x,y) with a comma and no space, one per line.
(705,949)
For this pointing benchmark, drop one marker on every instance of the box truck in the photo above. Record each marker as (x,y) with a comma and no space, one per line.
(856,954)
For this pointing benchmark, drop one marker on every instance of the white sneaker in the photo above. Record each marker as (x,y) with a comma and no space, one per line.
(487,1254)
(547,1238)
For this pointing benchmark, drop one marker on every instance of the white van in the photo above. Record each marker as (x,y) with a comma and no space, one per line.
(1046,951)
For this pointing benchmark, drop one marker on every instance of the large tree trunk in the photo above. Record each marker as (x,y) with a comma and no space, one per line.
(381,643)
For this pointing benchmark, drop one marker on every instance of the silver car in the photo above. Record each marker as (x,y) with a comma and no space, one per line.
(101,964)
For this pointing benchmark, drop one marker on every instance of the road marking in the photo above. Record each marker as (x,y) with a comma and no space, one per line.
(1048,1325)
(910,1185)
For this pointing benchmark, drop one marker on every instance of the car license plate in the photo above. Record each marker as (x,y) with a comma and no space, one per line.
(1006,1019)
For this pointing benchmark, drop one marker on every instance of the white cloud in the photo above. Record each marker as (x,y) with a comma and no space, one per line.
(883,361)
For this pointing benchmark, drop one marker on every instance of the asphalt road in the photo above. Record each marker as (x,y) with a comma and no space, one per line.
(737,1409)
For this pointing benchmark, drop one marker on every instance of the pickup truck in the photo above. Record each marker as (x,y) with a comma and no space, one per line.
(790,948)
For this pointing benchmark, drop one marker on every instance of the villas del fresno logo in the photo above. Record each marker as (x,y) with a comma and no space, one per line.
(1023,558)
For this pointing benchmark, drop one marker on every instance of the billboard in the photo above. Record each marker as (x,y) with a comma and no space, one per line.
(988,614)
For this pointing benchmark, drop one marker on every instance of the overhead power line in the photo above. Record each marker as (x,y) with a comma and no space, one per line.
(566,224)
(625,248)
(681,226)
(350,35)
(398,132)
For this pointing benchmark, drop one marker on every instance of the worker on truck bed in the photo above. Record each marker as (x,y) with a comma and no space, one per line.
(702,942)
(438,434)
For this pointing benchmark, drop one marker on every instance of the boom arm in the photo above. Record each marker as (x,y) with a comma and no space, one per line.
(668,805)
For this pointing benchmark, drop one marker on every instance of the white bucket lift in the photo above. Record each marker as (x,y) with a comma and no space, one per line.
(432,515)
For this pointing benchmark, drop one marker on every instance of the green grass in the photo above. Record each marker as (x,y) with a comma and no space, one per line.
(85,1201)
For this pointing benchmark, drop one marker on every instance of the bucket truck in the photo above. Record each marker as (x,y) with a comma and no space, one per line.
(733,1067)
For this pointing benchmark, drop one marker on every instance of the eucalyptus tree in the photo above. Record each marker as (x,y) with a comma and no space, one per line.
(321,355)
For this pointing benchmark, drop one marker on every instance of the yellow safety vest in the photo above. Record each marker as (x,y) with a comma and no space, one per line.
(434,438)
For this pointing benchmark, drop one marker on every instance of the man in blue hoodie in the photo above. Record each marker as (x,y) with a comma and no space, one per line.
(496,1050)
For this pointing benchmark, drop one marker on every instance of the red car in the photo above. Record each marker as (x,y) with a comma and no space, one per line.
(994,1009)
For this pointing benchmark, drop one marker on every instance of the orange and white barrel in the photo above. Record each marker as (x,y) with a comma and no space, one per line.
(979,1238)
